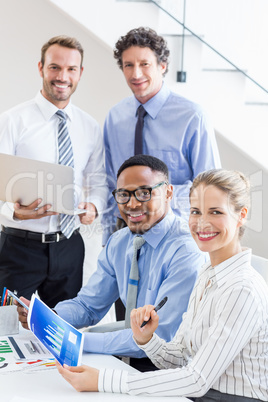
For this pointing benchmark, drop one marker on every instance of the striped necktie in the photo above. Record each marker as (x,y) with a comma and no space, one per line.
(133,281)
(67,222)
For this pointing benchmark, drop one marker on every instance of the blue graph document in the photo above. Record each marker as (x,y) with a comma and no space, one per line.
(61,339)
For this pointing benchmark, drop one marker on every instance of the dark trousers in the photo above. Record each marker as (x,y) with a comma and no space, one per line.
(216,396)
(144,364)
(55,270)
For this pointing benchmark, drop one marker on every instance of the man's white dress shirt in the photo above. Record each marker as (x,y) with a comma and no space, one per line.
(30,130)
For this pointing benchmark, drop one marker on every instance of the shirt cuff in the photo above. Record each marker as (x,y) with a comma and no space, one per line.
(99,204)
(7,211)
(148,347)
(94,342)
(113,381)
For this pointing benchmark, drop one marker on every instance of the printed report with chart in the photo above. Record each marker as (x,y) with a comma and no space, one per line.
(61,339)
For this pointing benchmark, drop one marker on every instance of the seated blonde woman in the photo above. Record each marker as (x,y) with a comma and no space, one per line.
(220,352)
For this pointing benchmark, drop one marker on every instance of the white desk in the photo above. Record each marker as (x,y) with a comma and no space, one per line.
(43,386)
(48,385)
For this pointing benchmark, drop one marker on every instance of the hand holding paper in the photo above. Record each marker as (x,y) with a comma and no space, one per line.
(61,339)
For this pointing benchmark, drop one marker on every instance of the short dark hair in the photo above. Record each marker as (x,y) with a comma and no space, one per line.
(64,41)
(143,37)
(152,162)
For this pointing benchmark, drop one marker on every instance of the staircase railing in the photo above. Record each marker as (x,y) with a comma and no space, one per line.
(208,45)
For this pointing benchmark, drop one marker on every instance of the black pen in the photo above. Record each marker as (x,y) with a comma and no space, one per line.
(160,305)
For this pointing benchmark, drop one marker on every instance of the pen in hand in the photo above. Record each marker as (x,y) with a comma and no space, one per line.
(160,305)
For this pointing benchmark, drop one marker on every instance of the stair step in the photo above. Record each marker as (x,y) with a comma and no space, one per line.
(223,70)
(256,103)
(136,1)
(175,35)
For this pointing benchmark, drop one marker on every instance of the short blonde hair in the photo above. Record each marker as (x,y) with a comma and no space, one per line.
(231,182)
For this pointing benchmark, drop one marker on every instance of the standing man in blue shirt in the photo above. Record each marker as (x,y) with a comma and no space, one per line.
(175,130)
(168,263)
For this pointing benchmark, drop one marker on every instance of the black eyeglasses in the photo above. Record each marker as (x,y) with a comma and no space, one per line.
(142,194)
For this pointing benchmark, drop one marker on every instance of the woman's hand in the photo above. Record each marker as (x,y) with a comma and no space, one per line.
(137,316)
(82,378)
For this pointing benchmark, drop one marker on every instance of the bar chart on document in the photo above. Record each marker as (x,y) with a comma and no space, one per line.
(61,339)
(55,336)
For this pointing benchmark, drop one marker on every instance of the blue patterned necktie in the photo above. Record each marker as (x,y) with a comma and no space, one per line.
(67,222)
(133,281)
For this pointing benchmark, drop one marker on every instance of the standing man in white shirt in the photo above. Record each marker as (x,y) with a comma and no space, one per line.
(35,254)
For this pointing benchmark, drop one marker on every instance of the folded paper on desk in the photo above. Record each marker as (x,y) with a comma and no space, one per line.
(61,339)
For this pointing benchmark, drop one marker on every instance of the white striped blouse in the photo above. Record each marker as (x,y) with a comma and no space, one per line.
(222,342)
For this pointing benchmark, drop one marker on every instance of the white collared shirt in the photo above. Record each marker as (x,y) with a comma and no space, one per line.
(222,342)
(30,130)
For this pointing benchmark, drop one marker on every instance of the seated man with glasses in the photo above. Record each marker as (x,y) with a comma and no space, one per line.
(168,264)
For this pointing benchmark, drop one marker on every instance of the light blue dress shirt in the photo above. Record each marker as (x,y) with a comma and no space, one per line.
(169,262)
(176,131)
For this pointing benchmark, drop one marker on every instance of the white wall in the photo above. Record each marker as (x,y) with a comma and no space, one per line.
(256,233)
(109,19)
(25,25)
(237,29)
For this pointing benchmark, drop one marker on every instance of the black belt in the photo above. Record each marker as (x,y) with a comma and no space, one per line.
(42,237)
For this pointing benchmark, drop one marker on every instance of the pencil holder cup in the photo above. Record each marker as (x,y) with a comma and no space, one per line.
(9,321)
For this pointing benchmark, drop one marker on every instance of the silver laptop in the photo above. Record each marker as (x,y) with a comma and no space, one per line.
(25,180)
